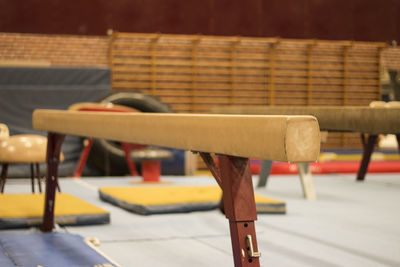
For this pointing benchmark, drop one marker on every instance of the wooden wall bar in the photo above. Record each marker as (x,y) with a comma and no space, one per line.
(193,73)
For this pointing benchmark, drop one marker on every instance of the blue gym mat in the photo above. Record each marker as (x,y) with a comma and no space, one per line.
(48,249)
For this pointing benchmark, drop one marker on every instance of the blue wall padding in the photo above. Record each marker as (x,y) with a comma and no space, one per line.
(48,249)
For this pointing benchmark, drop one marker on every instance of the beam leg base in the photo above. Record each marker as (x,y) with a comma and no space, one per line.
(306,181)
(265,171)
(234,177)
(368,148)
(54,142)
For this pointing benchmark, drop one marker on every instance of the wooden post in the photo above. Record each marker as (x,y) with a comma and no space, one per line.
(240,209)
(368,148)
(32,178)
(239,206)
(87,146)
(3,176)
(54,142)
(39,178)
(398,142)
(131,166)
(306,181)
(265,171)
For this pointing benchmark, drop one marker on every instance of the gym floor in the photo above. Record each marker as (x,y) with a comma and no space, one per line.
(351,224)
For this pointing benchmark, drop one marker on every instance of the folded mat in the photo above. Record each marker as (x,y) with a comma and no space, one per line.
(25,210)
(49,249)
(177,199)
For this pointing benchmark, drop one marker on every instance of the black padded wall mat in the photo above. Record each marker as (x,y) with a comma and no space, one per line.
(23,89)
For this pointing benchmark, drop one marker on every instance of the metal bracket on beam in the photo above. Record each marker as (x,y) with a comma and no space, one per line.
(252,253)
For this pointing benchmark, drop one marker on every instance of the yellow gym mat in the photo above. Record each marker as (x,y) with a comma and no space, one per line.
(25,210)
(176,199)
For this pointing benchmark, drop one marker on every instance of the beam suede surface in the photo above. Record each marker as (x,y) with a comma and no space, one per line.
(280,138)
(364,119)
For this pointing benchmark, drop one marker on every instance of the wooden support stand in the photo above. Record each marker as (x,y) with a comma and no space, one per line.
(368,148)
(307,184)
(306,181)
(87,146)
(54,142)
(3,178)
(234,177)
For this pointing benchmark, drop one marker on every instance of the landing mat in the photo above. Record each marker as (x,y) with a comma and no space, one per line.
(26,210)
(177,199)
(49,249)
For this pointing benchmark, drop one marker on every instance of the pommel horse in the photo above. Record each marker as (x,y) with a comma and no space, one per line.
(233,139)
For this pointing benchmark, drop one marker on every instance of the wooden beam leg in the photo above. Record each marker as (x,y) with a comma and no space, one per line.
(87,146)
(306,181)
(234,177)
(58,186)
(264,173)
(368,148)
(4,170)
(54,142)
(209,161)
(38,177)
(129,162)
(398,142)
(240,209)
(32,178)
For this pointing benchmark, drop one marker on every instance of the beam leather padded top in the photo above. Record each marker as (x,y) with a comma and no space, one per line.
(280,138)
(373,120)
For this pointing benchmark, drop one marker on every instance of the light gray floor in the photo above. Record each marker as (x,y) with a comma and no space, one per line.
(351,224)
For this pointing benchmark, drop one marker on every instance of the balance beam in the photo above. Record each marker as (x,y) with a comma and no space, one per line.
(282,138)
(363,119)
(378,118)
(233,138)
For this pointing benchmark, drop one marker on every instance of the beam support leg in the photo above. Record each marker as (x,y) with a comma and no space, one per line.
(265,171)
(38,177)
(131,166)
(3,178)
(240,209)
(368,148)
(54,142)
(234,177)
(306,181)
(32,178)
(87,146)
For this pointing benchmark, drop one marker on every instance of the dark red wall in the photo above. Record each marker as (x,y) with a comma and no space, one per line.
(360,20)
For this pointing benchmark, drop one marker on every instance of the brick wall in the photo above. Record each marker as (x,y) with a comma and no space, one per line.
(54,50)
